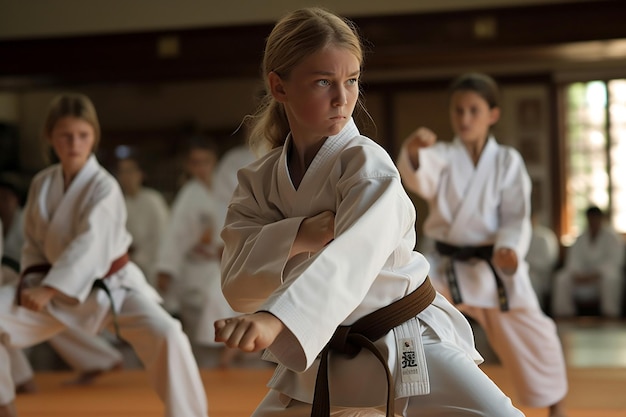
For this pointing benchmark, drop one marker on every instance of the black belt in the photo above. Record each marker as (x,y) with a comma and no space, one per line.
(117,265)
(362,334)
(11,263)
(465,253)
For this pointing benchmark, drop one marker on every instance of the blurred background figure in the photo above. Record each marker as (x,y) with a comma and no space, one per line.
(11,240)
(13,224)
(225,180)
(542,258)
(592,271)
(147,216)
(188,264)
(89,356)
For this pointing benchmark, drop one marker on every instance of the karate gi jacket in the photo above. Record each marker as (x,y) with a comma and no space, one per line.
(369,264)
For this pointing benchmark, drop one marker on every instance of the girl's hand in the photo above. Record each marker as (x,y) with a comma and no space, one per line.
(506,260)
(250,332)
(422,137)
(314,233)
(37,298)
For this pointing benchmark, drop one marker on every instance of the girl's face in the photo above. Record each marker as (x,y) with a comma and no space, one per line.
(73,140)
(471,116)
(200,164)
(320,93)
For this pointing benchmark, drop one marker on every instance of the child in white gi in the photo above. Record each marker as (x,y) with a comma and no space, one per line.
(189,255)
(320,234)
(148,215)
(478,193)
(91,356)
(74,234)
(593,269)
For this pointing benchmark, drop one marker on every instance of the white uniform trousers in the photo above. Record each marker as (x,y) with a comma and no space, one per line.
(155,336)
(458,387)
(610,291)
(21,371)
(84,352)
(528,345)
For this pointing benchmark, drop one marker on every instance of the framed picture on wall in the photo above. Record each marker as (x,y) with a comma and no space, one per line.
(524,124)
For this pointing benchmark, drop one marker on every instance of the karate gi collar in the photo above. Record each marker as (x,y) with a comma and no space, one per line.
(330,147)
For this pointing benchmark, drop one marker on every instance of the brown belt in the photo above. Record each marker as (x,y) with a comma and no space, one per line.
(117,265)
(362,334)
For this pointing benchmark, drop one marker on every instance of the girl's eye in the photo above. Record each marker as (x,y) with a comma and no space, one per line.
(353,81)
(323,83)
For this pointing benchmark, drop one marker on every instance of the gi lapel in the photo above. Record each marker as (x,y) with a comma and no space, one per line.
(64,216)
(473,192)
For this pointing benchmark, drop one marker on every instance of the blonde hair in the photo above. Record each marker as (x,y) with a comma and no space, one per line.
(72,105)
(295,37)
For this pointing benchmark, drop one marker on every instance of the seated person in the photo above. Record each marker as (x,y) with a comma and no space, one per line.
(593,270)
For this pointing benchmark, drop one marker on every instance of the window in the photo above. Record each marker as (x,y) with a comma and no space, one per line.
(596,152)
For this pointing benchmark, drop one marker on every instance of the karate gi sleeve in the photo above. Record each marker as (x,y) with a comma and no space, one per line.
(373,216)
(425,180)
(256,250)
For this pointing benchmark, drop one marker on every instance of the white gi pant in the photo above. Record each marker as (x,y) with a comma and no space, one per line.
(155,336)
(609,291)
(84,352)
(458,387)
(80,351)
(21,371)
(528,345)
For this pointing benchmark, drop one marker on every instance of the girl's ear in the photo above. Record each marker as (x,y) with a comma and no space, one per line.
(277,87)
(494,115)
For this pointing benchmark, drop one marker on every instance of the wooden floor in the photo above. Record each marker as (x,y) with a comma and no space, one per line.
(594,392)
(595,353)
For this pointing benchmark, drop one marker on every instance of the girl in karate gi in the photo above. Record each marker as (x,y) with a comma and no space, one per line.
(74,234)
(90,356)
(478,193)
(189,256)
(320,233)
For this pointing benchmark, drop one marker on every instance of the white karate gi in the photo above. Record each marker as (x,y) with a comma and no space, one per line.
(605,255)
(225,177)
(193,266)
(81,351)
(368,265)
(21,370)
(146,223)
(489,204)
(542,257)
(80,232)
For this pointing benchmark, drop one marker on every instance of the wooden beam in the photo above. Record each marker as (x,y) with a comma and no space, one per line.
(549,34)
